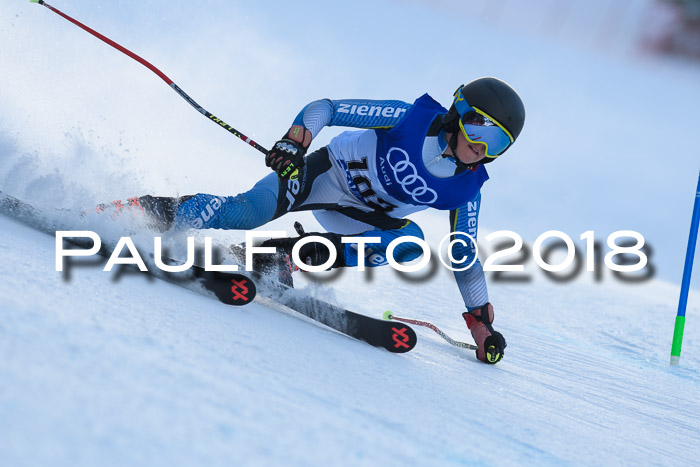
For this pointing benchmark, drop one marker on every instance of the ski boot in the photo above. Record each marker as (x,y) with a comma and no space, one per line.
(158,211)
(275,267)
(280,264)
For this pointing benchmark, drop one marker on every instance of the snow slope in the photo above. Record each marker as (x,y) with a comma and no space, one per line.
(98,371)
(135,371)
(606,146)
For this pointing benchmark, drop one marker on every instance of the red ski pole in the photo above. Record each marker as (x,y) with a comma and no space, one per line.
(162,76)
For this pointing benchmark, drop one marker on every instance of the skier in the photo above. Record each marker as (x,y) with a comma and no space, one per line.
(406,158)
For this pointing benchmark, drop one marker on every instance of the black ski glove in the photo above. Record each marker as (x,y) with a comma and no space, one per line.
(287,155)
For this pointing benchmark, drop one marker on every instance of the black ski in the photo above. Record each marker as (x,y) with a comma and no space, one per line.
(376,332)
(394,337)
(239,289)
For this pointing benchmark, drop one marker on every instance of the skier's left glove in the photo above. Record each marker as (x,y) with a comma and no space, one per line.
(287,155)
(491,343)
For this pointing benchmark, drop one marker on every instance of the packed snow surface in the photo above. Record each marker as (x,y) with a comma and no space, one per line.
(108,369)
(132,370)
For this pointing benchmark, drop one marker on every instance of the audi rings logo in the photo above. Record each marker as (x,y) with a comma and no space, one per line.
(407,176)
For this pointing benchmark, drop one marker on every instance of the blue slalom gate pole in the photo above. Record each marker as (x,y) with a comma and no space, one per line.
(685,284)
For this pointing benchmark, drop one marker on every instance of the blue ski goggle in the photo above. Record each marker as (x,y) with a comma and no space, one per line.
(479,128)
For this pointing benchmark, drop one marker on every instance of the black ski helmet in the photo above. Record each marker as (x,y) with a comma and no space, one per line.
(494,97)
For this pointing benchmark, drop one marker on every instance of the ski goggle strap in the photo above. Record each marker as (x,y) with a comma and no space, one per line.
(479,128)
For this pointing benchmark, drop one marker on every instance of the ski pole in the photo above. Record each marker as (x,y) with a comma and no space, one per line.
(162,76)
(685,283)
(389,316)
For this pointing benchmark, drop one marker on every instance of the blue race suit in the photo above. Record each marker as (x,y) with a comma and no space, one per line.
(364,183)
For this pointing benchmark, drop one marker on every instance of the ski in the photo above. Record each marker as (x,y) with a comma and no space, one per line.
(394,337)
(239,289)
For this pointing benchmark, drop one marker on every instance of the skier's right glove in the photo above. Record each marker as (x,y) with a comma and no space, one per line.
(491,344)
(287,155)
